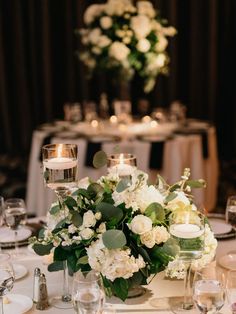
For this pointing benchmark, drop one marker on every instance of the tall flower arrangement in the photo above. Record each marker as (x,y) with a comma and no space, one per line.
(120,229)
(126,38)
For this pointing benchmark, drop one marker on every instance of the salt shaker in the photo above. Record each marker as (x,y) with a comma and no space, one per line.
(37,273)
(42,303)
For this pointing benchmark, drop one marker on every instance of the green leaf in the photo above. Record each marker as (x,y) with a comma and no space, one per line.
(76,219)
(170,197)
(84,193)
(54,210)
(56,266)
(61,224)
(123,185)
(174,187)
(59,254)
(41,233)
(109,212)
(155,212)
(121,288)
(171,247)
(83,260)
(99,159)
(114,239)
(94,189)
(196,183)
(70,202)
(41,249)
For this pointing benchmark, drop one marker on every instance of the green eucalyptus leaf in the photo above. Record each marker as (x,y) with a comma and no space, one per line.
(83,260)
(123,185)
(171,247)
(41,233)
(84,193)
(76,219)
(41,249)
(174,187)
(60,254)
(54,210)
(70,202)
(109,211)
(61,224)
(170,197)
(121,288)
(196,183)
(99,159)
(114,239)
(56,266)
(95,189)
(155,212)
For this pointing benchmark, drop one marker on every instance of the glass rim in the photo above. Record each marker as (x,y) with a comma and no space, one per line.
(126,156)
(54,146)
(14,200)
(83,279)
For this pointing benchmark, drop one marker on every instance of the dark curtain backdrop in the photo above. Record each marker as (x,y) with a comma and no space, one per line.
(39,70)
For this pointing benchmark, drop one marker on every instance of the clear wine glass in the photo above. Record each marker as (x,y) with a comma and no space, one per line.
(15,215)
(231,290)
(209,289)
(60,170)
(7,277)
(231,211)
(87,292)
(187,227)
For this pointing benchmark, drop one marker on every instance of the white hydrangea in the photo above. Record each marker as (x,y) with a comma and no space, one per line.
(148,195)
(103,41)
(141,26)
(161,44)
(105,22)
(72,228)
(143,45)
(176,269)
(94,35)
(89,219)
(119,51)
(146,8)
(92,12)
(118,7)
(117,263)
(140,224)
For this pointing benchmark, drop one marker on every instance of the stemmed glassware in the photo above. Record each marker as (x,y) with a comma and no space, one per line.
(87,292)
(187,227)
(15,215)
(231,290)
(209,289)
(1,214)
(6,277)
(60,170)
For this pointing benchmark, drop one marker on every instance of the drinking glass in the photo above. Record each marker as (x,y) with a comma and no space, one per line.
(88,294)
(231,211)
(7,277)
(1,214)
(209,289)
(187,227)
(60,168)
(231,290)
(122,164)
(15,215)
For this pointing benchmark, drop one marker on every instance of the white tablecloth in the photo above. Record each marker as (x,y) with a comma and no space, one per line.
(179,152)
(159,287)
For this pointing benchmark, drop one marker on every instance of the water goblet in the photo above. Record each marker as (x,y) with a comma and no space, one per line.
(231,290)
(209,289)
(6,277)
(15,215)
(88,294)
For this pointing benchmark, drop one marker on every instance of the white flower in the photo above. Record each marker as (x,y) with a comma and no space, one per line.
(169,31)
(88,60)
(148,239)
(148,195)
(146,8)
(103,41)
(140,224)
(105,22)
(98,215)
(72,228)
(161,234)
(180,200)
(143,45)
(94,35)
(176,269)
(126,40)
(86,233)
(101,228)
(89,219)
(141,26)
(92,12)
(161,44)
(118,7)
(96,50)
(119,51)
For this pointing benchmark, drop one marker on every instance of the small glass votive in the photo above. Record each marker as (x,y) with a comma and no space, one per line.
(121,164)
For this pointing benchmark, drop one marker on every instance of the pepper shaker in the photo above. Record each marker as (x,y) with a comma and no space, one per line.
(42,303)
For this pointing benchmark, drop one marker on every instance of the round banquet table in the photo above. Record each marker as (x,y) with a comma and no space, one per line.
(159,287)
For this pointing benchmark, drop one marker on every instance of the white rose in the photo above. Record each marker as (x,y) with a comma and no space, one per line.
(92,12)
(141,26)
(103,41)
(89,219)
(140,224)
(86,233)
(146,8)
(94,35)
(161,234)
(161,44)
(180,200)
(105,22)
(143,45)
(101,228)
(148,195)
(148,239)
(119,51)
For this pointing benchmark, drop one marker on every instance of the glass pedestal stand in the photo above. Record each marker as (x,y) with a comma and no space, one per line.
(63,301)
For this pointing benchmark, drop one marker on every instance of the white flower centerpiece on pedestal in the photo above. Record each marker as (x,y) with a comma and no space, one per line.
(119,227)
(126,39)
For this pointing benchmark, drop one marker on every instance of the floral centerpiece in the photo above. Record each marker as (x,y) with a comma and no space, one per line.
(120,229)
(126,38)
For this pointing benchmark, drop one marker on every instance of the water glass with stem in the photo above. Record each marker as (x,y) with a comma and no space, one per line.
(209,289)
(6,277)
(231,290)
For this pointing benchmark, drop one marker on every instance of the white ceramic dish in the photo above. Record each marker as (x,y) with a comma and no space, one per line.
(20,271)
(228,261)
(18,304)
(7,235)
(219,226)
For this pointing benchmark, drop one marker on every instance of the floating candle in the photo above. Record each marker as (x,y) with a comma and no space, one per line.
(186,231)
(60,163)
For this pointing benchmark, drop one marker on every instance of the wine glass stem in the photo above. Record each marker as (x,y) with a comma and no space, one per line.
(66,297)
(1,305)
(188,301)
(16,242)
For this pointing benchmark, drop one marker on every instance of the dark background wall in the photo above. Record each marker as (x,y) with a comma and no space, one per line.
(39,70)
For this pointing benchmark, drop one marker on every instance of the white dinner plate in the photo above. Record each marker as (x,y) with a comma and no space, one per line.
(228,261)
(7,235)
(219,226)
(20,271)
(18,304)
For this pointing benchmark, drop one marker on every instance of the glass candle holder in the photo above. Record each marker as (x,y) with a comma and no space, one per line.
(122,164)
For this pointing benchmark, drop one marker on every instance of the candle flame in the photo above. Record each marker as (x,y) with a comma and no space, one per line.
(121,159)
(59,150)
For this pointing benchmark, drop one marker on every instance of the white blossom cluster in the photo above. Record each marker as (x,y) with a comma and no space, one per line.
(115,263)
(119,34)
